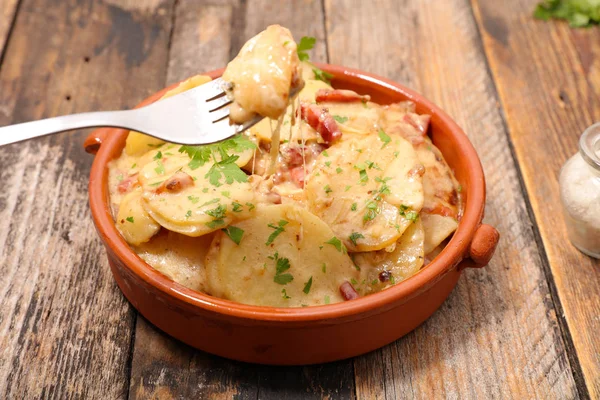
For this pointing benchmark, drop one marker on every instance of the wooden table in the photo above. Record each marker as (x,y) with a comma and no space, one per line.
(526,326)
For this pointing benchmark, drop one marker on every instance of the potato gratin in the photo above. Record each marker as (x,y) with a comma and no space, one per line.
(331,198)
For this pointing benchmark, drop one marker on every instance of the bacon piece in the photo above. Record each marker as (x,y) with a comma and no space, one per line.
(339,96)
(440,209)
(321,121)
(419,122)
(347,291)
(298,176)
(127,184)
(292,156)
(417,170)
(179,181)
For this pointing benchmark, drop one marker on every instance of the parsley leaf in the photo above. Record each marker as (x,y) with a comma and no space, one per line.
(284,294)
(372,211)
(337,243)
(307,286)
(237,207)
(283,279)
(321,75)
(160,169)
(327,189)
(340,119)
(338,170)
(282,265)
(194,199)
(227,169)
(306,43)
(384,137)
(200,155)
(188,214)
(129,219)
(327,300)
(354,236)
(278,230)
(158,156)
(234,233)
(354,205)
(579,13)
(217,213)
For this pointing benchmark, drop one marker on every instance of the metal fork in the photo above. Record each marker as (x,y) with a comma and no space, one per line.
(196,116)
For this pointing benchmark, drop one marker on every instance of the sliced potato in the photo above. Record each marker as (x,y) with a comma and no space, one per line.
(196,209)
(437,228)
(363,186)
(137,143)
(134,223)
(355,118)
(381,269)
(279,235)
(179,257)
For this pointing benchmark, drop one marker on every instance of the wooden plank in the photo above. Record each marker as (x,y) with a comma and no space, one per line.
(65,328)
(8,9)
(497,335)
(550,93)
(205,36)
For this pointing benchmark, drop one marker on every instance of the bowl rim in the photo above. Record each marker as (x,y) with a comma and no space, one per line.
(454,252)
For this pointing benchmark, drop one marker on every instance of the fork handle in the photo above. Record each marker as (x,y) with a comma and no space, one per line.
(29,130)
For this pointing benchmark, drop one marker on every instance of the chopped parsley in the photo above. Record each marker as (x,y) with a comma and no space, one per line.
(213,201)
(237,207)
(328,163)
(339,119)
(134,165)
(324,268)
(188,214)
(284,294)
(205,190)
(364,178)
(226,194)
(327,300)
(282,265)
(250,206)
(407,213)
(160,169)
(307,286)
(234,233)
(354,205)
(194,199)
(372,164)
(120,177)
(325,153)
(129,219)
(327,189)
(337,243)
(226,169)
(347,188)
(384,137)
(305,44)
(157,183)
(338,170)
(321,75)
(217,213)
(158,156)
(354,236)
(278,229)
(372,211)
(214,224)
(200,155)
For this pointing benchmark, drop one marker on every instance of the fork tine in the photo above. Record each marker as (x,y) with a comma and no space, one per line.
(212,89)
(219,114)
(218,103)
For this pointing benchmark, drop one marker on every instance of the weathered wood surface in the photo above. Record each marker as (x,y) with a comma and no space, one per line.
(497,334)
(65,329)
(8,9)
(548,79)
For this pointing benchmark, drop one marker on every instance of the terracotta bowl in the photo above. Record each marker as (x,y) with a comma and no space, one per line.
(292,336)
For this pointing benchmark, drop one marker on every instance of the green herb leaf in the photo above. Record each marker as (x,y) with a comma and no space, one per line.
(354,205)
(337,243)
(194,199)
(579,13)
(226,169)
(129,219)
(327,189)
(321,75)
(354,236)
(372,211)
(188,214)
(158,156)
(234,233)
(283,279)
(218,212)
(327,300)
(278,230)
(237,207)
(324,268)
(213,201)
(160,169)
(284,294)
(338,170)
(384,137)
(215,223)
(305,44)
(307,286)
(340,119)
(363,176)
(200,155)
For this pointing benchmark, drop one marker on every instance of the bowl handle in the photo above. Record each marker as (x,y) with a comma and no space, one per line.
(93,142)
(482,247)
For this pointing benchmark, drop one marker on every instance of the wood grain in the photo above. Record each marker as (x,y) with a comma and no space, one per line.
(205,36)
(8,9)
(65,329)
(550,94)
(497,335)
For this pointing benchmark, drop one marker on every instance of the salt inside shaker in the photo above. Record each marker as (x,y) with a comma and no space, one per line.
(580,193)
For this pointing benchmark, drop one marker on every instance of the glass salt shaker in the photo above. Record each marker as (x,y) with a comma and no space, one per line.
(580,193)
